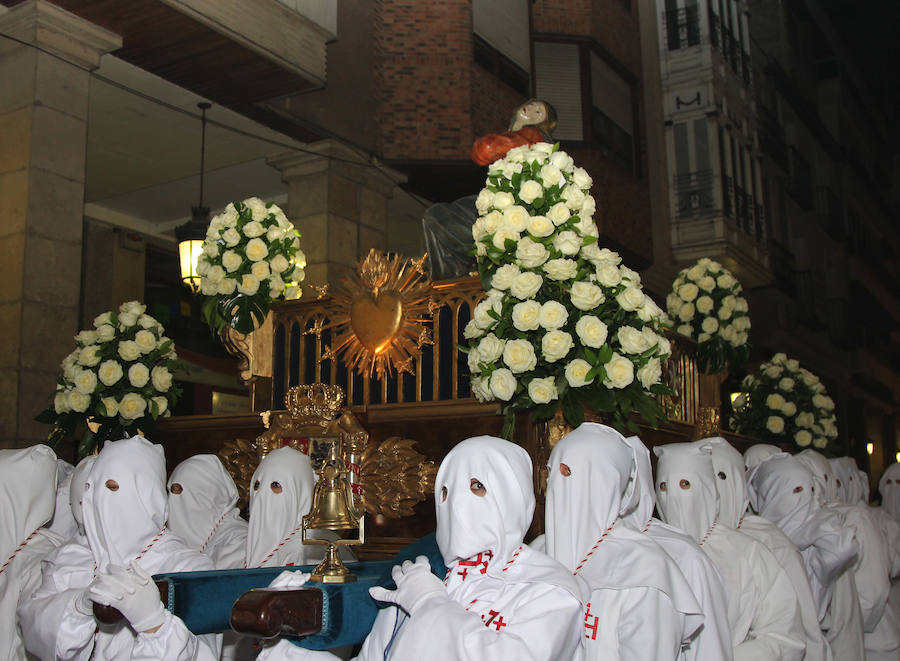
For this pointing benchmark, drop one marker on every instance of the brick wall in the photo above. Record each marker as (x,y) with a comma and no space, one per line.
(493,102)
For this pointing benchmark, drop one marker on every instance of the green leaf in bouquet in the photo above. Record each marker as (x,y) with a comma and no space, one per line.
(598,398)
(661,389)
(591,356)
(648,409)
(605,354)
(86,444)
(544,411)
(539,203)
(47,416)
(589,239)
(572,409)
(55,436)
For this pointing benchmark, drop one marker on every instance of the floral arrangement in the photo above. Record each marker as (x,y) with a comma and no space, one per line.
(251,256)
(118,378)
(785,402)
(707,305)
(564,324)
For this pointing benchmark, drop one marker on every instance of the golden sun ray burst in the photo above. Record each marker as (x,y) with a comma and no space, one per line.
(384,307)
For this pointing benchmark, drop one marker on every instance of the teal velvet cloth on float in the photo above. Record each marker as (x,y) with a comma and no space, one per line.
(203,599)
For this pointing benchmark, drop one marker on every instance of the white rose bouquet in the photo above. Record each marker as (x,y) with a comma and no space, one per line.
(250,258)
(564,323)
(706,305)
(118,377)
(785,402)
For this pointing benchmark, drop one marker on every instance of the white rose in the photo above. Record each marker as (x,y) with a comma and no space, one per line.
(664,347)
(231,260)
(630,275)
(704,304)
(86,337)
(567,242)
(133,307)
(482,315)
(588,207)
(132,406)
(586,227)
(591,331)
(739,402)
(553,315)
(724,313)
(649,311)
(253,229)
(203,267)
(775,401)
(685,329)
(515,218)
(260,270)
(490,348)
(502,235)
(257,208)
(559,213)
(573,197)
(111,406)
(274,233)
(249,285)
(608,274)
(210,249)
(100,320)
(526,285)
(686,313)
(540,226)
(562,161)
(145,340)
(148,323)
(256,250)
(725,281)
(630,299)
(162,404)
(707,283)
(581,178)
(85,382)
(89,356)
(472,331)
(542,390)
(803,438)
(819,401)
(586,296)
(703,337)
(483,201)
(231,237)
(78,401)
(561,269)
(61,402)
(805,419)
(695,272)
(556,345)
(820,443)
(276,286)
(105,333)
(481,389)
(551,176)
(279,264)
(632,340)
(576,371)
(727,333)
(161,378)
(619,372)
(298,274)
(792,365)
(688,292)
(229,216)
(530,254)
(829,404)
(786,384)
(710,325)
(526,315)
(129,350)
(492,222)
(504,276)
(650,373)
(741,305)
(773,371)
(138,375)
(503,199)
(775,424)
(503,384)
(518,355)
(109,372)
(530,190)
(789,409)
(226,287)
(127,319)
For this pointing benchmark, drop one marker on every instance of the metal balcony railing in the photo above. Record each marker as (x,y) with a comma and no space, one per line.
(682,28)
(695,194)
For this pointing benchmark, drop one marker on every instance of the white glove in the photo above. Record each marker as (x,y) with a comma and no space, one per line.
(290,579)
(83,603)
(134,594)
(415,584)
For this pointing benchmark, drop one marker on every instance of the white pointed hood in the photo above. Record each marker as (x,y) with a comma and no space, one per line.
(62,523)
(756,454)
(76,490)
(644,492)
(599,489)
(781,490)
(120,522)
(845,477)
(686,494)
(27,494)
(275,516)
(823,475)
(731,481)
(889,488)
(207,493)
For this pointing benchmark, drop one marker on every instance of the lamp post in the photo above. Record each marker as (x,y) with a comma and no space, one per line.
(191,235)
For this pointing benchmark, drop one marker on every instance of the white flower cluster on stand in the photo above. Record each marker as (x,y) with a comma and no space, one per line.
(706,305)
(119,375)
(785,402)
(251,257)
(564,322)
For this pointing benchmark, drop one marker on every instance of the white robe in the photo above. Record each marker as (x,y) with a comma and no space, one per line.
(734,498)
(121,525)
(713,641)
(76,495)
(889,488)
(203,513)
(784,491)
(591,484)
(516,604)
(762,608)
(28,479)
(63,523)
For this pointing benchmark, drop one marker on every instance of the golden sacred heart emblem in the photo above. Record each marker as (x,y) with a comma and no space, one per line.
(375,319)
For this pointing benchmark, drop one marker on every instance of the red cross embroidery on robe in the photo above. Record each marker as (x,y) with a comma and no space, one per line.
(482,559)
(493,619)
(591,623)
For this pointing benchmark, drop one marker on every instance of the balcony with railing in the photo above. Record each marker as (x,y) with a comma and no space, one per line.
(695,194)
(682,28)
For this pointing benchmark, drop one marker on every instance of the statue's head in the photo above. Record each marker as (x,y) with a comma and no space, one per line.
(534,112)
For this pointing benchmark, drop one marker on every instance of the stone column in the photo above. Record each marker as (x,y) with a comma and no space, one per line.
(339,203)
(43,135)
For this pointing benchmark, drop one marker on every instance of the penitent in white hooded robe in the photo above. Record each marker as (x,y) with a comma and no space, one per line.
(784,491)
(632,581)
(202,510)
(27,493)
(762,606)
(62,523)
(122,523)
(503,600)
(734,498)
(756,454)
(889,488)
(713,641)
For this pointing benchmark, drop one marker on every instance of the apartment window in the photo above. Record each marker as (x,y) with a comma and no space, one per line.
(503,40)
(557,73)
(682,25)
(694,177)
(612,112)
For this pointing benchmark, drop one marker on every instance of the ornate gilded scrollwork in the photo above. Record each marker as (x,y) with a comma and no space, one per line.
(395,478)
(240,459)
(707,422)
